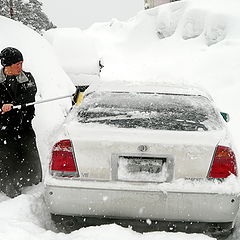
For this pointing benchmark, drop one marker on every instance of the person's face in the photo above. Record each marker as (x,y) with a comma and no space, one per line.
(16,68)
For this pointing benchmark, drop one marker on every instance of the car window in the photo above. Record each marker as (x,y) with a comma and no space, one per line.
(151,111)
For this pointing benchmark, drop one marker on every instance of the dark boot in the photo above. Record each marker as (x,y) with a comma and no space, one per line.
(11,190)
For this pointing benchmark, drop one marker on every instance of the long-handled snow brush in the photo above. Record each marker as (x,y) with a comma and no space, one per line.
(41,101)
(77,98)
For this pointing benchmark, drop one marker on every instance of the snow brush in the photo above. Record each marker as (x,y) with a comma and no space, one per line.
(39,102)
(77,98)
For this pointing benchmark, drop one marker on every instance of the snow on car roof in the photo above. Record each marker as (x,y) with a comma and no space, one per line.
(148,87)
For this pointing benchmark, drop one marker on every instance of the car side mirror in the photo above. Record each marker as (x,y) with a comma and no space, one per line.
(225,116)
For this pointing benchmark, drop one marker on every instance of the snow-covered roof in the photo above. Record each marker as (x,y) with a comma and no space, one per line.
(151,87)
(76,53)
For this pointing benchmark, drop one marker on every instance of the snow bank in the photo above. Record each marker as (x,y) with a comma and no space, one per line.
(184,42)
(51,80)
(76,53)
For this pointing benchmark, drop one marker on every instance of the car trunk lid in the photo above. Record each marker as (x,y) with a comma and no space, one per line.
(101,152)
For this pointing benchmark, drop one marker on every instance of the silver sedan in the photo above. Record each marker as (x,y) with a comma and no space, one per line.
(155,157)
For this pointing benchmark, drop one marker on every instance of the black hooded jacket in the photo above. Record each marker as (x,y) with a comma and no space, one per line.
(15,91)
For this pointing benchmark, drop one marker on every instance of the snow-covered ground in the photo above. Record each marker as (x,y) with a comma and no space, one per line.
(195,41)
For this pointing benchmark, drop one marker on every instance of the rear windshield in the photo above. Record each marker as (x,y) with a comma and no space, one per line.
(150,111)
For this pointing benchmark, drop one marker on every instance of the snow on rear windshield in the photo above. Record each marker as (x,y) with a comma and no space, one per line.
(151,111)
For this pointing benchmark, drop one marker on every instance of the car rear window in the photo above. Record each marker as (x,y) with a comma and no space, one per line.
(150,111)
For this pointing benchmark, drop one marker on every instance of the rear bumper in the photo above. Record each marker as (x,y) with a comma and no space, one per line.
(110,202)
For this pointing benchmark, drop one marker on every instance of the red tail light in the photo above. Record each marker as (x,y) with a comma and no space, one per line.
(63,162)
(224,163)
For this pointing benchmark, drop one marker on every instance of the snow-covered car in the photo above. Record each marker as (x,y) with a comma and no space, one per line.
(146,155)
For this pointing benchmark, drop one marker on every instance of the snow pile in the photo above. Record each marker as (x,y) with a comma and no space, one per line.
(51,80)
(76,53)
(188,42)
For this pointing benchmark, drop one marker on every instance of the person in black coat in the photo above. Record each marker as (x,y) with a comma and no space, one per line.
(19,159)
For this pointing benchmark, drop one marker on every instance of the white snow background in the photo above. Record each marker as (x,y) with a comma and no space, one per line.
(195,42)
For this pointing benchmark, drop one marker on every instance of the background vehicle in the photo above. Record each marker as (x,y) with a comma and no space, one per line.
(150,155)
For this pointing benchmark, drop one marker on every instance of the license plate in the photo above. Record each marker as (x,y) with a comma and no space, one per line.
(142,169)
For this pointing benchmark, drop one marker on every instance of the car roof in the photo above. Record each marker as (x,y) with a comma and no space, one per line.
(149,87)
